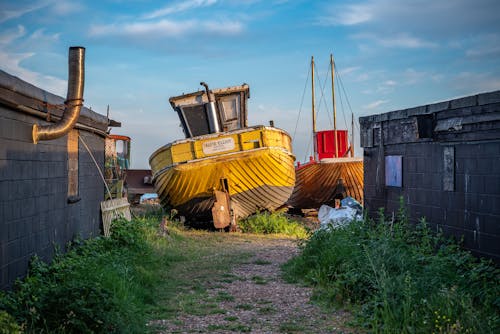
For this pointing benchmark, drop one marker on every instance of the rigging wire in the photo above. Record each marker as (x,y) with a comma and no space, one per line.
(322,98)
(340,89)
(348,103)
(300,111)
(301,103)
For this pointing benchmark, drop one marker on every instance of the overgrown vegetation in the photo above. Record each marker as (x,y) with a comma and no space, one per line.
(150,268)
(400,279)
(395,277)
(273,223)
(102,285)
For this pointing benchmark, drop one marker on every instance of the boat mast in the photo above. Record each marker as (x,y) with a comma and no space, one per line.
(352,135)
(313,108)
(332,65)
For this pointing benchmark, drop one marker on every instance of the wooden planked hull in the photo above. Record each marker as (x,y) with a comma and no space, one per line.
(319,183)
(256,167)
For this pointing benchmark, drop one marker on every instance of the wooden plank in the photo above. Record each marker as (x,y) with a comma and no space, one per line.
(73,163)
(221,211)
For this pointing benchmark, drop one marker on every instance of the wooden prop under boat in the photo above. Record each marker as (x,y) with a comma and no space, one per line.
(222,176)
(330,175)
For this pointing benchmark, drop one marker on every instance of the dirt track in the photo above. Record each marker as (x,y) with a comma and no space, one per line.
(253,298)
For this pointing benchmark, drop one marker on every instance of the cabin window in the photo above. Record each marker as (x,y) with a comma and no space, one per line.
(195,119)
(73,166)
(122,154)
(230,110)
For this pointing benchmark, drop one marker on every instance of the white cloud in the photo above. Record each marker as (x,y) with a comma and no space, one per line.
(411,76)
(57,7)
(180,6)
(375,104)
(468,82)
(39,35)
(401,40)
(349,70)
(167,28)
(9,14)
(484,52)
(418,24)
(11,63)
(10,35)
(66,7)
(347,15)
(484,47)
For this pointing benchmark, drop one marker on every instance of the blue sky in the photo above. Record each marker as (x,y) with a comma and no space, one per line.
(390,54)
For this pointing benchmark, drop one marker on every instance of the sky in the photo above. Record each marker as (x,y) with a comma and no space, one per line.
(389,55)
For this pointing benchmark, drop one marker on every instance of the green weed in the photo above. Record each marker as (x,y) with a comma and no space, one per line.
(246,307)
(400,278)
(100,285)
(259,280)
(273,223)
(291,327)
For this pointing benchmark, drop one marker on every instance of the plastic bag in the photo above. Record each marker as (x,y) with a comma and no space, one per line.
(334,218)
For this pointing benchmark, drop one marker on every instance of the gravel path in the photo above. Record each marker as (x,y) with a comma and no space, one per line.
(255,299)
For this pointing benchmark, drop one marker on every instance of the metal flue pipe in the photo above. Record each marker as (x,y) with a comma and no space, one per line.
(213,120)
(74,99)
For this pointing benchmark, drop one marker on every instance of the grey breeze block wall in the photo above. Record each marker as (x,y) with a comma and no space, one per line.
(450,171)
(34,210)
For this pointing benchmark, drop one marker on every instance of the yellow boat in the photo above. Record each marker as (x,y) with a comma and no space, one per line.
(225,175)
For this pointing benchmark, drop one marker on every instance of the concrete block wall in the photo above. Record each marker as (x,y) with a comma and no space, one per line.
(470,210)
(34,211)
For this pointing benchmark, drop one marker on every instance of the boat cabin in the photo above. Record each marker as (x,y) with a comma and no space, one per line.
(328,147)
(117,162)
(212,111)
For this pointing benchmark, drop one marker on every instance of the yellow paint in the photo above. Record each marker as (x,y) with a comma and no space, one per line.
(261,157)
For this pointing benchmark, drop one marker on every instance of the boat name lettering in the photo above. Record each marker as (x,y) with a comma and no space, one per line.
(219,145)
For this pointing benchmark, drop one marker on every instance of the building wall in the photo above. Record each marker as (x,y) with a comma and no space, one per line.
(450,167)
(34,210)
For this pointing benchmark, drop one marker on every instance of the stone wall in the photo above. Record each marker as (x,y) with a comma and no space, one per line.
(450,154)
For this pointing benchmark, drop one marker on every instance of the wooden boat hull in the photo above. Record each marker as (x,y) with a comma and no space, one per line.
(319,183)
(253,165)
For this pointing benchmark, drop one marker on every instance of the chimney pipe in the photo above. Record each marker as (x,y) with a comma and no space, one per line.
(211,110)
(74,99)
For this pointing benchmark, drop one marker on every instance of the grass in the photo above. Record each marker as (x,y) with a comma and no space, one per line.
(273,223)
(102,285)
(259,280)
(223,296)
(118,284)
(399,278)
(266,310)
(292,327)
(396,278)
(246,307)
(239,328)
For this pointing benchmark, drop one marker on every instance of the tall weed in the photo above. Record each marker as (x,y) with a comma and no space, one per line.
(400,278)
(102,285)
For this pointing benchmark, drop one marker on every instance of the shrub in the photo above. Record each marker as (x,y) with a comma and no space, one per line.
(8,324)
(101,285)
(400,278)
